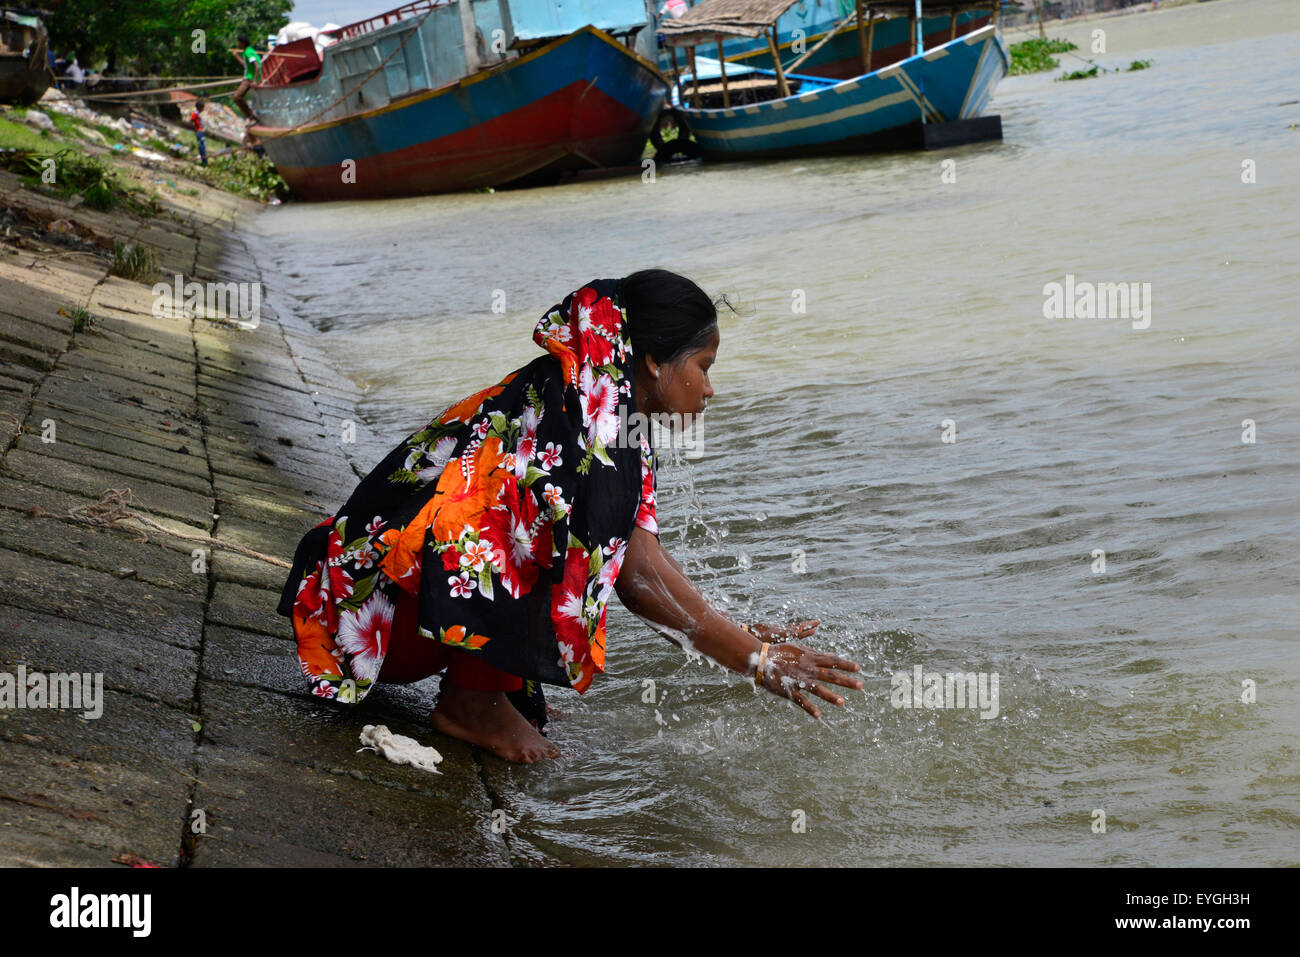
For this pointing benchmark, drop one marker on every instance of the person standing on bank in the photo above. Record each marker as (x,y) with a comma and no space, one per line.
(488,542)
(252,64)
(196,121)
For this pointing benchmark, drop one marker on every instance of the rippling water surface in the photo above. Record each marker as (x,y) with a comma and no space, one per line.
(1118,691)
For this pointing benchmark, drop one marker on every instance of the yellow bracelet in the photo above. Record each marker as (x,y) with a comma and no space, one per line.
(762,660)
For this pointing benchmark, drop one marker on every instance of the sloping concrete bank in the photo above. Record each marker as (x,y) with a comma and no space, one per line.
(208,750)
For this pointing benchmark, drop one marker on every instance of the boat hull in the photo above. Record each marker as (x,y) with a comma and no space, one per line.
(23,79)
(583,101)
(875,111)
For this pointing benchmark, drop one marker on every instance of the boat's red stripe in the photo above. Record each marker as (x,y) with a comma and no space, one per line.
(578,120)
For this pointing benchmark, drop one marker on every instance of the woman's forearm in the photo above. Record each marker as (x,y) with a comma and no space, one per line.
(654,587)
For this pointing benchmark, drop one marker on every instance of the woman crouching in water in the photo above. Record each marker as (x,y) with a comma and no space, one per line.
(487,544)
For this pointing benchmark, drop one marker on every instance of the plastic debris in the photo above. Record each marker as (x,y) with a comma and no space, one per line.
(398,748)
(40,120)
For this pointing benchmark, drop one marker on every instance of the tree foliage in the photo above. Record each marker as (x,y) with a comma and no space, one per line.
(141,36)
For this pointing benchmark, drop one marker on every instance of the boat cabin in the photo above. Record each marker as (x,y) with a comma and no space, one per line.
(419,46)
(713,83)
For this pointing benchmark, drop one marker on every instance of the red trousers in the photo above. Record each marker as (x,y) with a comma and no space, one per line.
(412,658)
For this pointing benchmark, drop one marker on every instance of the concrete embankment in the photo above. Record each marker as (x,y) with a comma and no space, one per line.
(208,750)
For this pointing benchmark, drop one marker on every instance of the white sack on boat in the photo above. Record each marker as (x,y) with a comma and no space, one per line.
(300,29)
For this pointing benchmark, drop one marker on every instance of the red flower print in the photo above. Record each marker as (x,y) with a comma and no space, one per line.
(599,407)
(509,529)
(568,614)
(340,583)
(597,321)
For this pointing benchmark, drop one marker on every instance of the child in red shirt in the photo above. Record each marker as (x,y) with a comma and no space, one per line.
(196,121)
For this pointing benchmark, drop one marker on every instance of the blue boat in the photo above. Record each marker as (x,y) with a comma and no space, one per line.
(817,26)
(739,112)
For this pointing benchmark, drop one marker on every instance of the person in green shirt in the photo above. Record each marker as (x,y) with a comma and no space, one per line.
(252,64)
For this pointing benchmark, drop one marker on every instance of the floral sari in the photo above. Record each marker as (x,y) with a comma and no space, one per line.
(508,516)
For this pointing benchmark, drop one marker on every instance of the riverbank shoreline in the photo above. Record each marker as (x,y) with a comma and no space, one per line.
(209,750)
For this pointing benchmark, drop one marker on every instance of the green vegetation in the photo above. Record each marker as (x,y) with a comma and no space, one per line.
(1139,65)
(16,135)
(81,166)
(68,172)
(1034,55)
(1079,74)
(71,126)
(241,171)
(81,318)
(131,261)
(145,35)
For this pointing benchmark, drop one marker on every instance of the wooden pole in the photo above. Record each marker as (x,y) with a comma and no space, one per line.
(695,81)
(677,74)
(722,65)
(952,25)
(912,23)
(864,44)
(826,38)
(1039,10)
(782,87)
(871,35)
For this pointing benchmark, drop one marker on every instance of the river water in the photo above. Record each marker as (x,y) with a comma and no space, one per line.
(1120,691)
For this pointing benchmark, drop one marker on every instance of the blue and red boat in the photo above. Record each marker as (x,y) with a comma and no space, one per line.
(444,95)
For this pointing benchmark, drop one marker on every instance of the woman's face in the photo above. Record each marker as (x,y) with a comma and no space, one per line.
(682,386)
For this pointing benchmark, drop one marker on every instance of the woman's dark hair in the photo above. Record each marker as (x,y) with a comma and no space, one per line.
(668,316)
(243,39)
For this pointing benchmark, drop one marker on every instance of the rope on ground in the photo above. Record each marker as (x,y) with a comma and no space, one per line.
(114,506)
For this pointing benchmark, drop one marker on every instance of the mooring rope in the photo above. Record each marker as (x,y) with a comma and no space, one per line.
(114,506)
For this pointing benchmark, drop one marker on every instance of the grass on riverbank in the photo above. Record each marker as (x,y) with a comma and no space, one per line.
(1035,55)
(67,172)
(132,261)
(85,155)
(242,172)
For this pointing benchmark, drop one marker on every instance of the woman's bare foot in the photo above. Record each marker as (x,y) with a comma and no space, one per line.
(488,719)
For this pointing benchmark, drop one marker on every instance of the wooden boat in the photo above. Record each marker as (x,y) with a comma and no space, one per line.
(24,56)
(932,97)
(443,95)
(836,52)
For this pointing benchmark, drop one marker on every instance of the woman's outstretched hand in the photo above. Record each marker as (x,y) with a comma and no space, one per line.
(654,586)
(793,671)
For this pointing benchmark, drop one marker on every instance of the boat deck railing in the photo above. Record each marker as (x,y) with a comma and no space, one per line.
(381,20)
